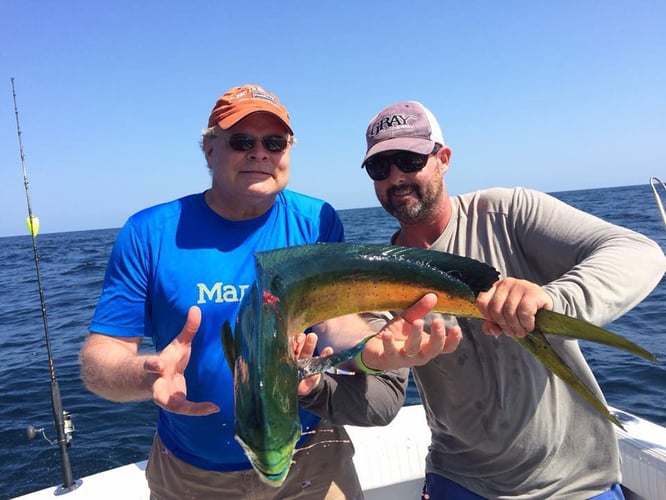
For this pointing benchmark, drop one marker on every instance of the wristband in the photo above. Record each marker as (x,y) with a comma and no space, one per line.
(363,367)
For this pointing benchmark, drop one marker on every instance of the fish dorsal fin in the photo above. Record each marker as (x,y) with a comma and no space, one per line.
(477,275)
(304,259)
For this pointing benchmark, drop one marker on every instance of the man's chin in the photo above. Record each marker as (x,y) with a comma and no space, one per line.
(405,211)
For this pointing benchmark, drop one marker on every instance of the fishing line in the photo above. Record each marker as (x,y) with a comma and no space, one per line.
(61,419)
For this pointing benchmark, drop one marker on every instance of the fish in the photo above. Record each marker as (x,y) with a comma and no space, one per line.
(260,353)
(300,286)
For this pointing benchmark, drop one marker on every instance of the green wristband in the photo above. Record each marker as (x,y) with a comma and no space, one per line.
(363,367)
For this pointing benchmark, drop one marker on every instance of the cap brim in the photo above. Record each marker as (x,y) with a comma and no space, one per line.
(237,116)
(413,144)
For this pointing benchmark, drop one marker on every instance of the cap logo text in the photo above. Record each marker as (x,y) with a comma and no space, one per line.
(391,122)
(253,93)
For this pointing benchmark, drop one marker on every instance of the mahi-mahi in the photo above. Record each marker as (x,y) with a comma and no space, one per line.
(300,286)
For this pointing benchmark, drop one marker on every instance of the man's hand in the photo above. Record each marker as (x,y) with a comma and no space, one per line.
(304,348)
(511,305)
(403,342)
(168,368)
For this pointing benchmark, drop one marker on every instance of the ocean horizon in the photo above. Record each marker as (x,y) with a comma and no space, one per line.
(42,232)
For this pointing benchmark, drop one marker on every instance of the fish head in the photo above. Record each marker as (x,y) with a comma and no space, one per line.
(274,462)
(267,424)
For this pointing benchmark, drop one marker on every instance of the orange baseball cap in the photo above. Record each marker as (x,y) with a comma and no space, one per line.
(239,102)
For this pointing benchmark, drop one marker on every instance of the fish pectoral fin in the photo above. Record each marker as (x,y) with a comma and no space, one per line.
(559,324)
(319,364)
(537,344)
(228,345)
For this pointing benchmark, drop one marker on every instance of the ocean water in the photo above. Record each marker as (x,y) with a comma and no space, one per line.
(108,434)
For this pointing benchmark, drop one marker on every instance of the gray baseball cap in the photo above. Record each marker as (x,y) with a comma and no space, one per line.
(406,126)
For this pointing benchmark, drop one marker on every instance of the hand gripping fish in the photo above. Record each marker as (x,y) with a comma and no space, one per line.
(298,287)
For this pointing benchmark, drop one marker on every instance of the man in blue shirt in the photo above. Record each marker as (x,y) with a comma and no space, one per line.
(177,271)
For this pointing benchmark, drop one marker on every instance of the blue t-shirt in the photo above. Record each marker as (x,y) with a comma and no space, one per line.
(178,254)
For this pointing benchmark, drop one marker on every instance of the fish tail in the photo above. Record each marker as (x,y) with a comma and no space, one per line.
(558,324)
(536,343)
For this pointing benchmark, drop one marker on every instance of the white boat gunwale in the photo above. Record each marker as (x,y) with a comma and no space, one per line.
(390,462)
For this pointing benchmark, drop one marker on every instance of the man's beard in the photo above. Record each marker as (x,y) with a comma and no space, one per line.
(412,210)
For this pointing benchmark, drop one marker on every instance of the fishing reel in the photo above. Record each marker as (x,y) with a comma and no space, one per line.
(68,427)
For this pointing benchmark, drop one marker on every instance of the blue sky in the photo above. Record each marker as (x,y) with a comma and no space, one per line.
(112,95)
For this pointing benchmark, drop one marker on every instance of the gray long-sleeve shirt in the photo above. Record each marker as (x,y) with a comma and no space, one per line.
(503,425)
(359,399)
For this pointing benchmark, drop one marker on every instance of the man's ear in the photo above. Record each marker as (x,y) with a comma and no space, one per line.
(444,155)
(207,147)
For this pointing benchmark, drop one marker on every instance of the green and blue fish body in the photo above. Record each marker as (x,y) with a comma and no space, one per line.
(266,374)
(301,286)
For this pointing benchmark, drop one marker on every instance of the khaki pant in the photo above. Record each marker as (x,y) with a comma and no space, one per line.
(322,470)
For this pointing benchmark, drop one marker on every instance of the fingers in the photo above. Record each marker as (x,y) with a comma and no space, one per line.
(405,342)
(326,351)
(167,369)
(299,341)
(415,347)
(192,324)
(453,338)
(409,325)
(170,393)
(308,384)
(412,345)
(510,306)
(310,345)
(177,403)
(440,340)
(198,409)
(304,345)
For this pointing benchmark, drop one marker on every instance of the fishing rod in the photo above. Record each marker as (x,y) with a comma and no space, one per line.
(654,183)
(61,419)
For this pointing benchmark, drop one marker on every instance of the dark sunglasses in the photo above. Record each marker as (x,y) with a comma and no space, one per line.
(379,167)
(246,142)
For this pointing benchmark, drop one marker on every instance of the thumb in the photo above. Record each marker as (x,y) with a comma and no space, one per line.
(420,308)
(153,364)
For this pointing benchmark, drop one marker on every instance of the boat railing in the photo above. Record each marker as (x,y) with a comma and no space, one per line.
(655,182)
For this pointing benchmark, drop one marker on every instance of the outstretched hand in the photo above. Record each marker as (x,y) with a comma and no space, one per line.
(403,342)
(168,368)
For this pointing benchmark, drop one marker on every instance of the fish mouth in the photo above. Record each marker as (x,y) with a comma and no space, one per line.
(274,479)
(271,465)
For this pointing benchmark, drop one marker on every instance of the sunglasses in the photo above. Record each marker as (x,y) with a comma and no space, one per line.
(379,167)
(246,142)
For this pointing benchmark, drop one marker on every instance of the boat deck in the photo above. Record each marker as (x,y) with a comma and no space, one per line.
(390,462)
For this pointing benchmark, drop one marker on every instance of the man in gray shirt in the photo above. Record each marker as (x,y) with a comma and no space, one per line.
(503,426)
